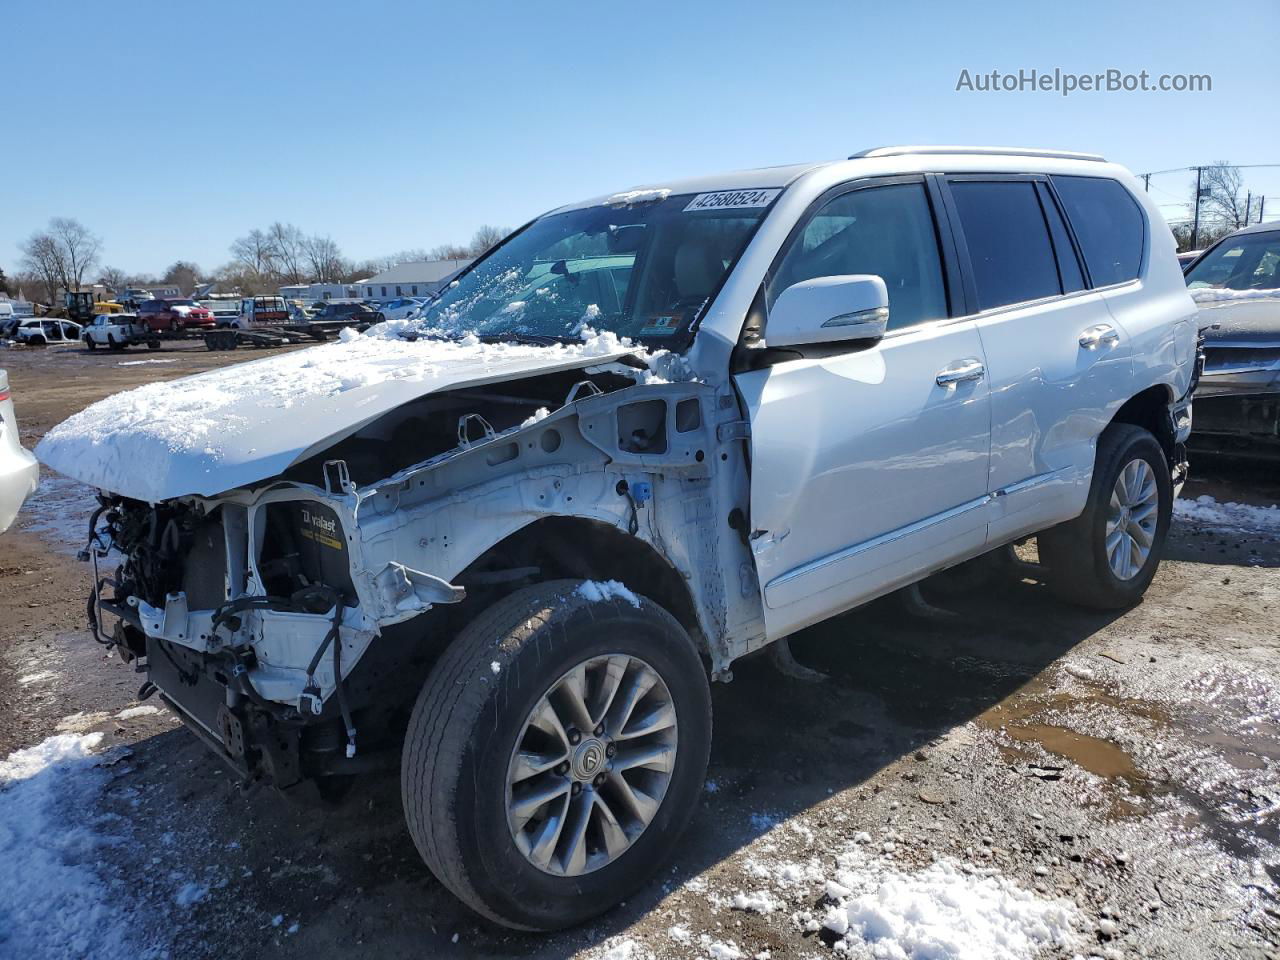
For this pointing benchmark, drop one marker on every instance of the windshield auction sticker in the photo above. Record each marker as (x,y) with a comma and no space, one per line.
(733,199)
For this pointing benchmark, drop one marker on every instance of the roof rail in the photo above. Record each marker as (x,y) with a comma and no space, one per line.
(985,151)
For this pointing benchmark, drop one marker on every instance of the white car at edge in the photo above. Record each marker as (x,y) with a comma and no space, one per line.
(19,470)
(509,544)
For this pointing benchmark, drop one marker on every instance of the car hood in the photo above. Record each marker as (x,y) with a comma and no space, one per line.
(235,426)
(1239,316)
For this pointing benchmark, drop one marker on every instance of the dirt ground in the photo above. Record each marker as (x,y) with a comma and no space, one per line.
(1124,768)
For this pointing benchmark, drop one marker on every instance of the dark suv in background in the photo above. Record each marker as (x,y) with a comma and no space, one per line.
(347,313)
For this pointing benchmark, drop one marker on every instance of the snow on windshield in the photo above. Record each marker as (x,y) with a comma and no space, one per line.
(642,265)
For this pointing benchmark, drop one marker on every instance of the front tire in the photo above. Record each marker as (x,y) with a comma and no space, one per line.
(556,753)
(1107,557)
(91,343)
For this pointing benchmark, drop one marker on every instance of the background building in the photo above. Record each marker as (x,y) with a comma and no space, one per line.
(417,278)
(321,291)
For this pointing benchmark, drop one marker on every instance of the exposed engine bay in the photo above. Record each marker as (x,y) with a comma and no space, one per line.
(290,624)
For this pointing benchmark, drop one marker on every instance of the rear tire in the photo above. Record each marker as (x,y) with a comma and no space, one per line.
(1107,557)
(153,344)
(113,343)
(466,791)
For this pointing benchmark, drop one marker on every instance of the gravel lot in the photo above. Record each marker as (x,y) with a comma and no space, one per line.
(1011,777)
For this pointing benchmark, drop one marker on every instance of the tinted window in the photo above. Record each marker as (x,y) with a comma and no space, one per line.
(1008,239)
(885,231)
(1068,263)
(1248,262)
(1108,225)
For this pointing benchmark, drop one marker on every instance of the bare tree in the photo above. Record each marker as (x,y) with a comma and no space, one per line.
(379,264)
(7,286)
(78,249)
(113,278)
(1222,195)
(324,259)
(42,258)
(288,243)
(27,284)
(484,239)
(449,251)
(255,253)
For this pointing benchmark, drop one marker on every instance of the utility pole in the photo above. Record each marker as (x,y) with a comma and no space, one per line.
(1248,206)
(1146,182)
(1262,204)
(1195,224)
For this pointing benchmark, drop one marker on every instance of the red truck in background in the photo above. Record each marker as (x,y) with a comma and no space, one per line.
(174,315)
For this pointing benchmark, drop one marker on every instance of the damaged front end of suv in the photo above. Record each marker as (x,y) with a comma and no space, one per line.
(300,538)
(287,622)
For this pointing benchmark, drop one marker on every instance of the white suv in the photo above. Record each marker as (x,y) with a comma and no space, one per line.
(506,544)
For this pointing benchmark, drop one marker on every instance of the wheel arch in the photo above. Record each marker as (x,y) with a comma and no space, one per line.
(1149,409)
(583,548)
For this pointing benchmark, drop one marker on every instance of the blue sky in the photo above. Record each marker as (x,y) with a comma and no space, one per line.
(176,127)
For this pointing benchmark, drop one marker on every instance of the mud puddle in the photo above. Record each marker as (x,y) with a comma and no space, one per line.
(1231,756)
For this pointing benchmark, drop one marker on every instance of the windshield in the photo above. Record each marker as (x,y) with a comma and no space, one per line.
(181,303)
(1248,262)
(643,270)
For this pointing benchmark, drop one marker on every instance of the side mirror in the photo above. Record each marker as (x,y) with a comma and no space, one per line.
(828,310)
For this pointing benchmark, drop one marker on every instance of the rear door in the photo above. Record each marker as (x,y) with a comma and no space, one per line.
(869,463)
(1059,363)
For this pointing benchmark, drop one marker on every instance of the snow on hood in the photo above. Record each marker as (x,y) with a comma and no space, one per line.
(1219,294)
(216,431)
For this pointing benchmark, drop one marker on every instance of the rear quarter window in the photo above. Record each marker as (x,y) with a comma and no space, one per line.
(1109,225)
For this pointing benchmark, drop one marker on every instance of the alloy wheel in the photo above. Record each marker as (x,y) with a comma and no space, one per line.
(591,765)
(1131,519)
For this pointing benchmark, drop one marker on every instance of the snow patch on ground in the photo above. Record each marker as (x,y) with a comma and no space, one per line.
(1244,516)
(130,713)
(138,363)
(760,901)
(189,894)
(600,590)
(80,721)
(52,901)
(945,912)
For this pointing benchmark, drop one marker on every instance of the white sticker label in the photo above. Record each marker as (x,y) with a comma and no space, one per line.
(733,199)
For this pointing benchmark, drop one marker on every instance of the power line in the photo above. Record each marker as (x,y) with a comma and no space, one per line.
(1238,166)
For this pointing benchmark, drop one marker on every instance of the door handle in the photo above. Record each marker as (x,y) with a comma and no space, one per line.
(971,369)
(1101,334)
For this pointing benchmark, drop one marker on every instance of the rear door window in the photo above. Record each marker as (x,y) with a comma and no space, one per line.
(1010,253)
(1108,224)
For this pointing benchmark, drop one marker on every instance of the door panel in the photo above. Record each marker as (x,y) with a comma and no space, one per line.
(1059,362)
(866,471)
(1050,398)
